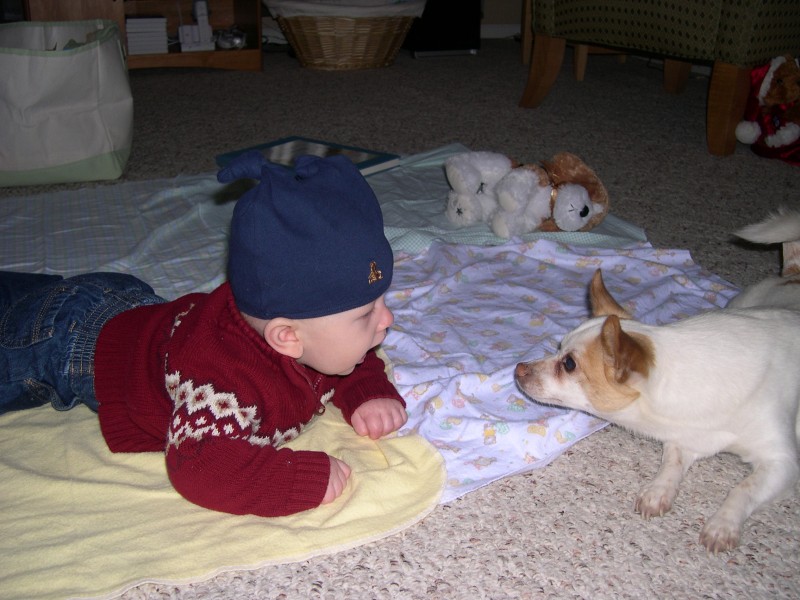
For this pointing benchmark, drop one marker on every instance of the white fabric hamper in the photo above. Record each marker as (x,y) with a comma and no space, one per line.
(66,109)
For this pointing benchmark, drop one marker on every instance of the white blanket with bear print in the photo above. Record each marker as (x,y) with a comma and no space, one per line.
(466,315)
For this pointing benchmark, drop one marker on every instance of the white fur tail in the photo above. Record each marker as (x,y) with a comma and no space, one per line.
(782,227)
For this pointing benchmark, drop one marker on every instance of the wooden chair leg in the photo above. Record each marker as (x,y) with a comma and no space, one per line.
(676,74)
(579,58)
(727,98)
(526,31)
(546,59)
(581,54)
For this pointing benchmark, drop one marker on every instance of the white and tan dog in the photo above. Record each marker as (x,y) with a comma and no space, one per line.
(722,381)
(782,227)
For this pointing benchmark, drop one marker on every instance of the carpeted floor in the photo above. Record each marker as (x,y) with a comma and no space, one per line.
(569,530)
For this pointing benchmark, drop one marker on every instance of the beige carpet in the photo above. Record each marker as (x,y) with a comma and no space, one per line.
(568,530)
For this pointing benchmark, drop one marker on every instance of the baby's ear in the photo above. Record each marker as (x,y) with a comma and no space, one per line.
(281,335)
(603,304)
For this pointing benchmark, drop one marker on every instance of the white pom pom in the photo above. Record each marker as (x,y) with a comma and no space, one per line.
(747,132)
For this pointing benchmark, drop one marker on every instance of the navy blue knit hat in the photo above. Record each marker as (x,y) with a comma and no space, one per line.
(306,242)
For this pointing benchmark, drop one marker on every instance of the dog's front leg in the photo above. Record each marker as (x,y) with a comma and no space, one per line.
(768,481)
(656,498)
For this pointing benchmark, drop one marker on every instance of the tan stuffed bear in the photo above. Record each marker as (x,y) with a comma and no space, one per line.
(563,194)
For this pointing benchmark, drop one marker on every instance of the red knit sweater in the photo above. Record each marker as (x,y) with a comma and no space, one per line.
(192,378)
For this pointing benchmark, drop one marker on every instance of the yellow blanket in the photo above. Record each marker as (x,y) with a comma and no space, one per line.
(78,520)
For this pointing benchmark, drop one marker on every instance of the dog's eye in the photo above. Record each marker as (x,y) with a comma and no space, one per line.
(568,363)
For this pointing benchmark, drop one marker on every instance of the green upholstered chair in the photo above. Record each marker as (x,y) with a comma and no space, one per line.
(730,35)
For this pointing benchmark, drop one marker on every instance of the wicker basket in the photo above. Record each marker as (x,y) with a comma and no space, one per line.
(340,43)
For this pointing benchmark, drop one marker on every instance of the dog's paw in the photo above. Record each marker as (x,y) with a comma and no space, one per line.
(655,500)
(720,535)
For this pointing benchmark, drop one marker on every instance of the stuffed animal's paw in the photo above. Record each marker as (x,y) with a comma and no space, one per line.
(523,204)
(516,190)
(473,172)
(468,209)
(506,225)
(472,177)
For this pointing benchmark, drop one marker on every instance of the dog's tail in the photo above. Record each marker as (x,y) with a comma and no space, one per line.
(782,227)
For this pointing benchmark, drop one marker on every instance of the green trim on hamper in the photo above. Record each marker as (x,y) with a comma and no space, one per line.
(96,168)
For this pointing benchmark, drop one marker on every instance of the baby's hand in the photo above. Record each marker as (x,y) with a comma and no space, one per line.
(378,417)
(336,481)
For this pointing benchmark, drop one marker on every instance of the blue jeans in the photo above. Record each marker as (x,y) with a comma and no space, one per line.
(48,331)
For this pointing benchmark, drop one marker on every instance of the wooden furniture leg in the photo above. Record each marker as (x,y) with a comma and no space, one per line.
(580,57)
(727,98)
(526,31)
(676,74)
(546,59)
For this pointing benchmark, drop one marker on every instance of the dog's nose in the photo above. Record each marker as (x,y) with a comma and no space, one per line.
(522,370)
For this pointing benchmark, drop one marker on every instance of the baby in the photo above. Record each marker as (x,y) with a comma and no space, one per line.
(220,381)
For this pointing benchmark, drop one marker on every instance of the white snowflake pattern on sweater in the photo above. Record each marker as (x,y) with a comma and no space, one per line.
(203,412)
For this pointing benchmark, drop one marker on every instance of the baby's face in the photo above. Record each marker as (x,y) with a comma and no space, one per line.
(335,344)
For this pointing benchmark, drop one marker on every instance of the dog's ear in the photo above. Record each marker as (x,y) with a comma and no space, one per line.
(623,353)
(603,304)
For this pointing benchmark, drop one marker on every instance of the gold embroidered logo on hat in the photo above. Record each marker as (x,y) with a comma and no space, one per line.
(374,273)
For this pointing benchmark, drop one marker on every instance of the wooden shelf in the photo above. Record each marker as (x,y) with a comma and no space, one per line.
(240,60)
(222,14)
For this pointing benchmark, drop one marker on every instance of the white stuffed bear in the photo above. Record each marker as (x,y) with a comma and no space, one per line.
(563,194)
(523,199)
(472,177)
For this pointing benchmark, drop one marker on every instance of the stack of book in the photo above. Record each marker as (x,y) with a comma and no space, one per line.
(146,35)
